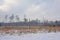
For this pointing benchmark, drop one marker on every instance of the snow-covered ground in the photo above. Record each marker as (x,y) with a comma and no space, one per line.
(32,36)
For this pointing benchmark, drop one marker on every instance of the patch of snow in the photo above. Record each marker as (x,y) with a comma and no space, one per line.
(32,36)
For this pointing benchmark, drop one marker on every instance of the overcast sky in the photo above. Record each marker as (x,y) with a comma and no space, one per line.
(49,9)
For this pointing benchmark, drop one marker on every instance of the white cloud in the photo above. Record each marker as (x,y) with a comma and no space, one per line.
(49,9)
(33,8)
(7,4)
(35,11)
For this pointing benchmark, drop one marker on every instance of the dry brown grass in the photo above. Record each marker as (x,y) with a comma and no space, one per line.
(33,28)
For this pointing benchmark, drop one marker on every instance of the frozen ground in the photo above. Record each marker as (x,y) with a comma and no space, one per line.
(32,36)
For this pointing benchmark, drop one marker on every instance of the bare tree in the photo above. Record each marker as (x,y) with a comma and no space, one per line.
(25,19)
(29,23)
(11,18)
(17,18)
(6,17)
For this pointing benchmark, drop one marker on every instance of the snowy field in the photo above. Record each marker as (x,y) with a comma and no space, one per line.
(31,36)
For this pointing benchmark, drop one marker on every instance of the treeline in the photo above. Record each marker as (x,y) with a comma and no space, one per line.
(31,23)
(27,22)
